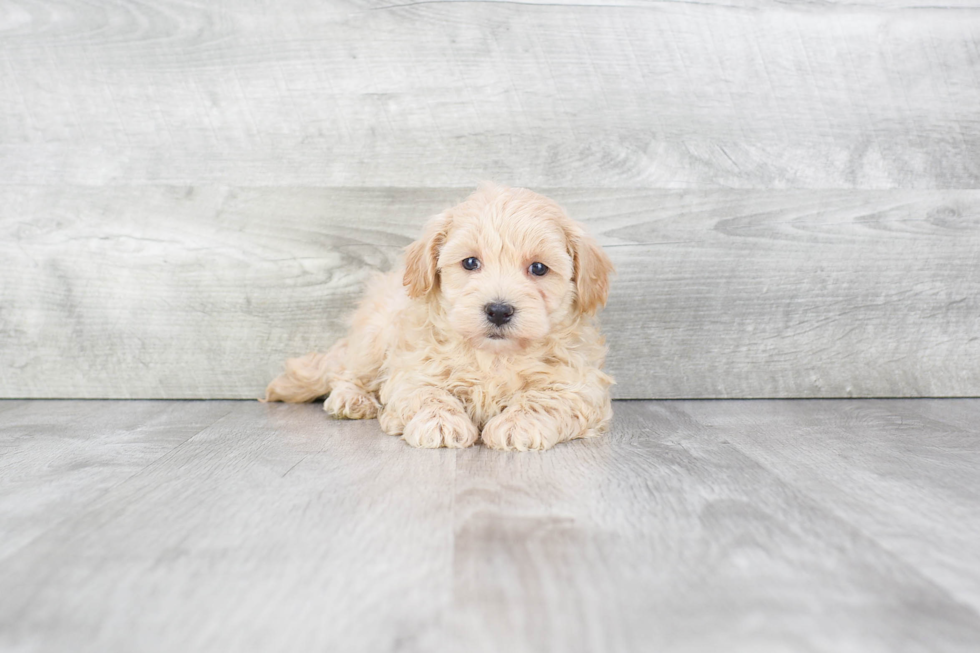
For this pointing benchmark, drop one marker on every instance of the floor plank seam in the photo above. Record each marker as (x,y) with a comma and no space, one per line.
(83,512)
(830,512)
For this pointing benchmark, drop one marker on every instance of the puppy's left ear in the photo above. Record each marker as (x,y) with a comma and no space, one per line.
(422,255)
(592,270)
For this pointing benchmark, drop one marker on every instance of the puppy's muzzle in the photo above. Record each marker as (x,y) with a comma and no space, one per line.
(499,314)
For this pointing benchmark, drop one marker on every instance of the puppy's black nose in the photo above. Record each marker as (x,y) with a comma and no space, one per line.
(499,314)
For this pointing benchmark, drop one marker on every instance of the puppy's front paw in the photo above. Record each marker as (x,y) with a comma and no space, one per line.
(437,426)
(521,430)
(347,401)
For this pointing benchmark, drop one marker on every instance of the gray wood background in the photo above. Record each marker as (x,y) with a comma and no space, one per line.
(190,192)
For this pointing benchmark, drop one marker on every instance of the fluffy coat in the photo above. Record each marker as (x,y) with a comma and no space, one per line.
(424,358)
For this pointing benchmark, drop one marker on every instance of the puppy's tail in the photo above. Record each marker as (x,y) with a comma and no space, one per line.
(307,377)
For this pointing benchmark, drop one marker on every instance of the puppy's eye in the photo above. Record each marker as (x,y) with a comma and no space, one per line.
(471,263)
(538,269)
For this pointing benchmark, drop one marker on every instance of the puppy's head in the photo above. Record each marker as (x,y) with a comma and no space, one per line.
(507,265)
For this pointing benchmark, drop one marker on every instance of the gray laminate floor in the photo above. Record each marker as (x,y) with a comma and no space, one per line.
(749,526)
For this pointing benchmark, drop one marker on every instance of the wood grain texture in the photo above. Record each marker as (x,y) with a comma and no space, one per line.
(668,536)
(898,470)
(202,292)
(271,528)
(190,191)
(56,456)
(818,526)
(875,94)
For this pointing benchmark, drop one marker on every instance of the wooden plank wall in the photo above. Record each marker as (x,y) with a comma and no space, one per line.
(192,191)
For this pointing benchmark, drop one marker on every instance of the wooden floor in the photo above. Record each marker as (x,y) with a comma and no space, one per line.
(756,526)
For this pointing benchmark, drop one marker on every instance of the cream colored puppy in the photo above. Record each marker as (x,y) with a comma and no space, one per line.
(487,332)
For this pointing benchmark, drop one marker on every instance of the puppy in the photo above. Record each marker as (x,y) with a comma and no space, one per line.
(486,333)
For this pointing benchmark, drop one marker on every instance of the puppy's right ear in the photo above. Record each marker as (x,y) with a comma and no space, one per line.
(422,255)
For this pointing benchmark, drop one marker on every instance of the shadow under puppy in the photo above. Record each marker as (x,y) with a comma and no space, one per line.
(487,332)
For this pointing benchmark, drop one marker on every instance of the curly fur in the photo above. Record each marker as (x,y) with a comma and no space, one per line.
(422,357)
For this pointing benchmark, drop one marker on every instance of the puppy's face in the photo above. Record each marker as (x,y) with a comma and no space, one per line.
(507,265)
(504,280)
